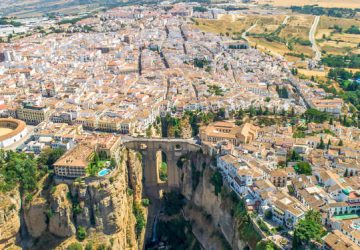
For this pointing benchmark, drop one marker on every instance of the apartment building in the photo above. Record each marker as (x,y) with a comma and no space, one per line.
(286,210)
(74,162)
(33,114)
(278,177)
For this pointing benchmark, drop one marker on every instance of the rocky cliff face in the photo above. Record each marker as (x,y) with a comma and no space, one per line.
(207,210)
(35,216)
(107,205)
(61,215)
(102,206)
(9,219)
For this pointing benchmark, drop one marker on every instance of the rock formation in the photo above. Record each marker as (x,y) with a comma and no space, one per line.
(35,217)
(102,206)
(205,209)
(9,218)
(61,219)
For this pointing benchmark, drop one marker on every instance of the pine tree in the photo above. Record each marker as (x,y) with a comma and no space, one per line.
(328,144)
(292,112)
(321,145)
(266,112)
(341,143)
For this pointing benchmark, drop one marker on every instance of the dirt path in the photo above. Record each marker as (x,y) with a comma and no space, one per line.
(243,35)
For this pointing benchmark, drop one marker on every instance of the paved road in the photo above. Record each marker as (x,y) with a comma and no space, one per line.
(286,19)
(312,32)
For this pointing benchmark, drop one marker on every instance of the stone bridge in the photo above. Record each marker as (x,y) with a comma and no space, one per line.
(151,150)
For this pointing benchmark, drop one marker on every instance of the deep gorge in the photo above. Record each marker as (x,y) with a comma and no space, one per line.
(110,213)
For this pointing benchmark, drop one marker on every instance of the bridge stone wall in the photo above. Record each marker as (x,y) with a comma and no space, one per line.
(149,148)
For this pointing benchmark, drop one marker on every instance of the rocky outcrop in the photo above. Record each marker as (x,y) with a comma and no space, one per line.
(60,214)
(9,219)
(35,217)
(207,210)
(106,205)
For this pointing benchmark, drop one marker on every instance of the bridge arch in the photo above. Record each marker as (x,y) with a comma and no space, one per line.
(172,149)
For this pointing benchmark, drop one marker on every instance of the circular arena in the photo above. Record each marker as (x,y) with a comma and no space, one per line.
(11,131)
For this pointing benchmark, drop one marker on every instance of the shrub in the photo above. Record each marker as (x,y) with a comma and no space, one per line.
(129,191)
(75,246)
(145,202)
(140,219)
(268,214)
(101,247)
(217,181)
(81,233)
(89,246)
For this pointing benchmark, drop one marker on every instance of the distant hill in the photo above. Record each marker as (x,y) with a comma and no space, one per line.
(322,3)
(41,7)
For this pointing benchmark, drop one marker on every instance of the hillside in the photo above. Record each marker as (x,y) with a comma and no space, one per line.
(23,8)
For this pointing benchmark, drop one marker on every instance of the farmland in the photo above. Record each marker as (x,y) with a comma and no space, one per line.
(333,38)
(322,3)
(276,34)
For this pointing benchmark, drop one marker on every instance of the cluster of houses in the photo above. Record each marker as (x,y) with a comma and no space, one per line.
(263,171)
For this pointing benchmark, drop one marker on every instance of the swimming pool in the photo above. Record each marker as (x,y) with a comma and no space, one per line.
(347,216)
(103,172)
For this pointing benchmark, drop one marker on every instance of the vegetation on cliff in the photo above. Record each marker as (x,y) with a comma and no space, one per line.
(173,229)
(217,181)
(246,229)
(176,233)
(308,231)
(266,245)
(140,219)
(173,203)
(24,170)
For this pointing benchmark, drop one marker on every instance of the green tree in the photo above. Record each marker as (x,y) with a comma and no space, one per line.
(163,171)
(49,156)
(265,245)
(217,181)
(268,214)
(314,115)
(307,230)
(19,169)
(328,144)
(340,144)
(295,156)
(81,233)
(321,145)
(303,168)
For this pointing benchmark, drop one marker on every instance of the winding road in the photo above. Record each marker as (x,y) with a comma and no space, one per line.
(312,32)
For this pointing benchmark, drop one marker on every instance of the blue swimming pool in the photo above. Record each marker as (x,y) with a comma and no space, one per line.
(103,172)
